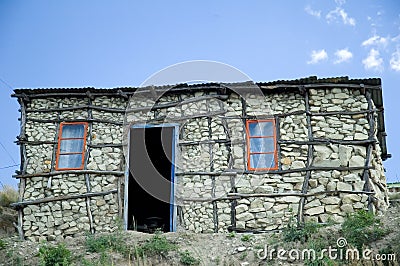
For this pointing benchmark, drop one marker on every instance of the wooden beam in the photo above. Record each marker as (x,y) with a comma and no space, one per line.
(207,173)
(95,172)
(320,85)
(320,141)
(75,120)
(273,172)
(73,108)
(175,103)
(275,195)
(58,198)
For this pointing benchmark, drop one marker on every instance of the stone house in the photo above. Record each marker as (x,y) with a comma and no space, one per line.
(203,157)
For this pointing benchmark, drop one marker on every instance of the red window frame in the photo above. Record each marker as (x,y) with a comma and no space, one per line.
(249,152)
(60,138)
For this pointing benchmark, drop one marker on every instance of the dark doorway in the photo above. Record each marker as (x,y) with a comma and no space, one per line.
(149,186)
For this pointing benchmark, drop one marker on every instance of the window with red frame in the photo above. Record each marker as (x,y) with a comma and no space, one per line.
(71,146)
(261,145)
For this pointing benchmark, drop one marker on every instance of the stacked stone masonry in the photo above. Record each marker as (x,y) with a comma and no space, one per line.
(215,190)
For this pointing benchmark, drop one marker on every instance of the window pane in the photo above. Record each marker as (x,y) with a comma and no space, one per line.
(70,161)
(73,131)
(262,161)
(73,145)
(262,145)
(261,129)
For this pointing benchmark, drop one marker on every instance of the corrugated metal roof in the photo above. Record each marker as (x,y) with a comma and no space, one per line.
(302,81)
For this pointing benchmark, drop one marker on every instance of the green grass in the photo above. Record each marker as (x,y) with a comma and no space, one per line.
(361,228)
(54,255)
(103,260)
(157,245)
(107,242)
(318,245)
(243,255)
(299,232)
(3,244)
(186,258)
(246,238)
(231,234)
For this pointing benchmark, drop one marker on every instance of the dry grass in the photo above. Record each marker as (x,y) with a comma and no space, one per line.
(394,195)
(8,195)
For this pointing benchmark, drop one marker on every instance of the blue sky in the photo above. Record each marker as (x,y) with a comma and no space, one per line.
(73,43)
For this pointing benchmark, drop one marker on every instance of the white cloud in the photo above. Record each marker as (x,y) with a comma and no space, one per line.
(396,39)
(373,61)
(314,13)
(340,2)
(376,40)
(317,56)
(395,60)
(340,13)
(342,55)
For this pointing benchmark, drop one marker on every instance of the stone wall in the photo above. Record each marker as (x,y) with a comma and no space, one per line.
(70,217)
(211,160)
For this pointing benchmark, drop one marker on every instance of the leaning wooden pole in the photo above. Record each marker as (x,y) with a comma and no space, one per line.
(87,175)
(366,177)
(300,214)
(23,167)
(211,151)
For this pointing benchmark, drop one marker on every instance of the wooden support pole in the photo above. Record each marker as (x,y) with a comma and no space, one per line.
(371,136)
(244,115)
(87,175)
(211,152)
(300,213)
(232,180)
(23,167)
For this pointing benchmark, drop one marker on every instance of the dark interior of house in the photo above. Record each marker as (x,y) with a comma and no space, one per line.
(149,188)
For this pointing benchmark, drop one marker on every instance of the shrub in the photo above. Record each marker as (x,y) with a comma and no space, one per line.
(362,227)
(186,258)
(8,195)
(299,232)
(55,255)
(318,245)
(157,245)
(3,244)
(246,238)
(102,243)
(231,235)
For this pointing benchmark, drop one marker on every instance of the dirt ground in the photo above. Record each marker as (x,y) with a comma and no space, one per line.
(208,249)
